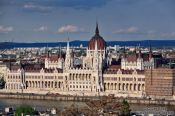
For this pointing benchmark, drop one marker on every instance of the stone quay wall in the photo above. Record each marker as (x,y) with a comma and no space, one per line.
(84,98)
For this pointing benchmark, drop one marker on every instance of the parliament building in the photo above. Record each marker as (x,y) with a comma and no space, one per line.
(96,76)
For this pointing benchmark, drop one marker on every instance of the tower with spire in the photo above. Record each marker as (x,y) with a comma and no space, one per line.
(97,30)
(150,52)
(151,59)
(101,44)
(96,58)
(60,60)
(68,57)
(138,60)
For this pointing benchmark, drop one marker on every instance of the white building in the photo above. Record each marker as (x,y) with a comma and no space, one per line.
(137,61)
(54,61)
(94,77)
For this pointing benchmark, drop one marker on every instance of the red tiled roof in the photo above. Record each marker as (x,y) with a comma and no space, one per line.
(14,67)
(54,57)
(101,44)
(145,57)
(132,57)
(30,69)
(7,60)
(113,69)
(52,70)
(34,68)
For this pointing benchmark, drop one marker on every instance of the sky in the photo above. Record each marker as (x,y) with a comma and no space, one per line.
(56,20)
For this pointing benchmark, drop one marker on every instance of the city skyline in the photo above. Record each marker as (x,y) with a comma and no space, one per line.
(50,21)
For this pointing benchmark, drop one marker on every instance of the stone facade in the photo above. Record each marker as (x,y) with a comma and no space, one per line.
(138,61)
(126,83)
(44,80)
(77,82)
(160,82)
(94,77)
(3,70)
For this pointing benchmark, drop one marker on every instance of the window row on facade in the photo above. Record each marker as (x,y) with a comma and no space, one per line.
(34,77)
(124,79)
(124,86)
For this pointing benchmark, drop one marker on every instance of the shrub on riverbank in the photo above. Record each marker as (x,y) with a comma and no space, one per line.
(125,108)
(25,110)
(2,83)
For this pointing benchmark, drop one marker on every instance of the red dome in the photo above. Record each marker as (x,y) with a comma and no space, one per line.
(101,44)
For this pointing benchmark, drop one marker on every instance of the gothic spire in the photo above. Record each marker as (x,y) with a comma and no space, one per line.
(68,44)
(124,52)
(150,50)
(97,30)
(140,53)
(60,53)
(135,50)
(150,47)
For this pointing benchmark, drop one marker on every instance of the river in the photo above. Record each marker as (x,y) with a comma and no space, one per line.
(60,105)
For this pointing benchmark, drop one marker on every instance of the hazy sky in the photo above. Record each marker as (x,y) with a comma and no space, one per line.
(50,20)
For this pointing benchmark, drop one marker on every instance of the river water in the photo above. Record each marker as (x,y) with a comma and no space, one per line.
(39,104)
(60,105)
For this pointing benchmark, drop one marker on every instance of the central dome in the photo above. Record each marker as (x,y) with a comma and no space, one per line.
(101,44)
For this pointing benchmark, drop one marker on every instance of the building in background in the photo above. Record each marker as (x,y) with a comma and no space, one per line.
(99,71)
(160,83)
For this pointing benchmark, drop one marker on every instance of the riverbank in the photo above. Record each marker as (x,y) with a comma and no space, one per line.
(58,97)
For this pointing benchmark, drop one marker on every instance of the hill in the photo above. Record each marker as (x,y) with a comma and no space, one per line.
(145,43)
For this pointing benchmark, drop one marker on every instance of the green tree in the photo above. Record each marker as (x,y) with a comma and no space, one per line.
(2,83)
(25,110)
(125,108)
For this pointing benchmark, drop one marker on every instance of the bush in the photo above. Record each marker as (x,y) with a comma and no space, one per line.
(26,110)
(125,109)
(2,83)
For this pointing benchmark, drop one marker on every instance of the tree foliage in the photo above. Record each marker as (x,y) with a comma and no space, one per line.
(125,109)
(2,83)
(25,110)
